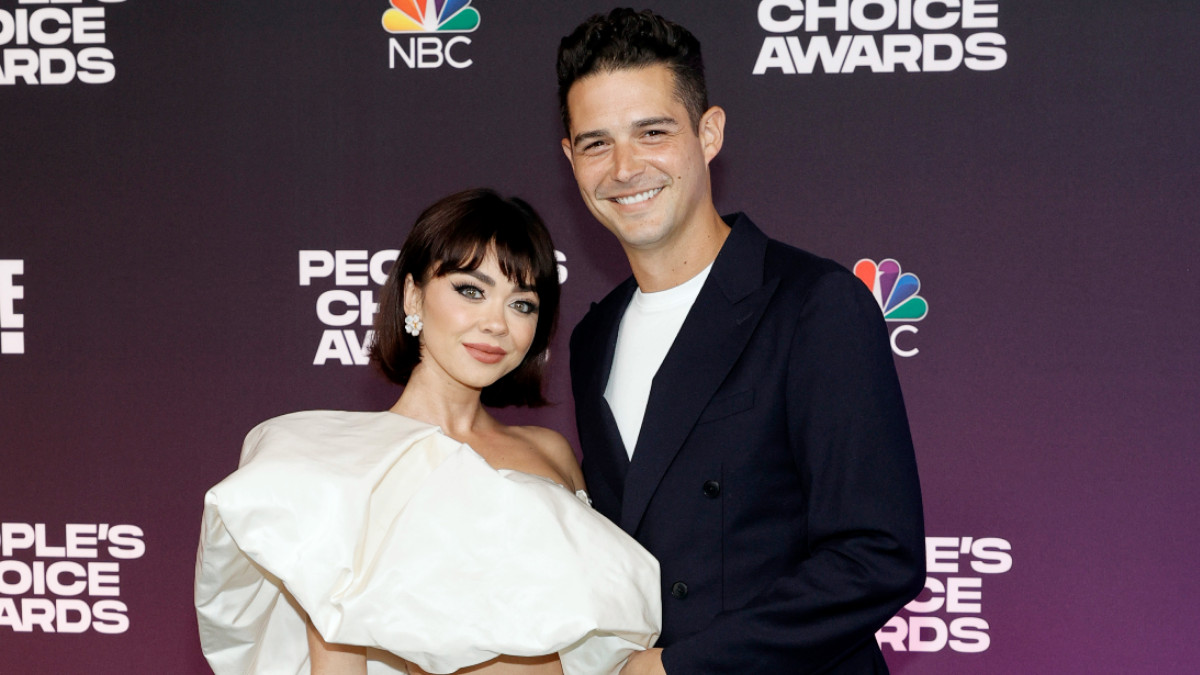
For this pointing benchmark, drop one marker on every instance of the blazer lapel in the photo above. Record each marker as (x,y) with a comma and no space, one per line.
(712,338)
(598,432)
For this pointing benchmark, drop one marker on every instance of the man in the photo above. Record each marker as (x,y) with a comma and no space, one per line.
(738,408)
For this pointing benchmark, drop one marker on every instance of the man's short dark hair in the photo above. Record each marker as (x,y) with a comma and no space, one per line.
(455,235)
(625,39)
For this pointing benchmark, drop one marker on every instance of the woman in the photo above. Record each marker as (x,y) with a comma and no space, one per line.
(429,538)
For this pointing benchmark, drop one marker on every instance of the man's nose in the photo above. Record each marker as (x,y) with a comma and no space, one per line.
(626,163)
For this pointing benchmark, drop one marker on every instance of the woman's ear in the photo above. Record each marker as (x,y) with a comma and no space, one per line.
(413,296)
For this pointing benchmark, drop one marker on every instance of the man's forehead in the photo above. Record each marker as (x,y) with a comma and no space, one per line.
(623,98)
(653,75)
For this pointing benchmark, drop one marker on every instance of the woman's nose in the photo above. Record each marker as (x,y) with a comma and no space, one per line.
(493,320)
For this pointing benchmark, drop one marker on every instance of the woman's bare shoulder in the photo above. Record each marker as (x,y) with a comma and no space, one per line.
(556,450)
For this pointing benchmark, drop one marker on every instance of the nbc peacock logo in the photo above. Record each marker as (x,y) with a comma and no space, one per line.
(425,32)
(896,292)
(431,16)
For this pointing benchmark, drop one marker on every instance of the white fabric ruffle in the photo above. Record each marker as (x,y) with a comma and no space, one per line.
(390,535)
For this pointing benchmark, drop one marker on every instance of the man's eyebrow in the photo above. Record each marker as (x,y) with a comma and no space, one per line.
(655,121)
(588,135)
(665,120)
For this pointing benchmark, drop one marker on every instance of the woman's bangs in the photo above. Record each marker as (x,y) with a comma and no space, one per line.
(466,249)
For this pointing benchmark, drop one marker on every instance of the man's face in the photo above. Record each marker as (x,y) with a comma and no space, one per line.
(641,167)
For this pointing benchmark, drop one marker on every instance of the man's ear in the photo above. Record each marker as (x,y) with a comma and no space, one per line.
(413,296)
(712,132)
(569,151)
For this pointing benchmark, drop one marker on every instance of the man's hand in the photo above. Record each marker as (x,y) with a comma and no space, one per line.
(648,662)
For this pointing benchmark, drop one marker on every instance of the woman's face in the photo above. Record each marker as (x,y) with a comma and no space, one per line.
(478,325)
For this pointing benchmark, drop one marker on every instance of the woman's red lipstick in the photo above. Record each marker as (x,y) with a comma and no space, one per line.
(485,353)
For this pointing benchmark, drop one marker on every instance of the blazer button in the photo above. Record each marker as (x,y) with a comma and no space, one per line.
(679,590)
(711,489)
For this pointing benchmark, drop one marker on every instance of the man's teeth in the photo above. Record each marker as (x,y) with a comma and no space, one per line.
(639,197)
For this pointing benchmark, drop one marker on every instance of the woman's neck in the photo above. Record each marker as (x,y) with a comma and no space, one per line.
(450,405)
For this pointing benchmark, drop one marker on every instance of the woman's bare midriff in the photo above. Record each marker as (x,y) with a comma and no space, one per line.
(508,665)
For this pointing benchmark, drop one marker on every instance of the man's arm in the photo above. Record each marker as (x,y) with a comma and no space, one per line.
(850,439)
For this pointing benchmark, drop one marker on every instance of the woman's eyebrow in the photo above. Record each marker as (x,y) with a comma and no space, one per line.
(480,276)
(522,285)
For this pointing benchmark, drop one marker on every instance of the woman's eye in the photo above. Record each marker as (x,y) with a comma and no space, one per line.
(524,306)
(469,291)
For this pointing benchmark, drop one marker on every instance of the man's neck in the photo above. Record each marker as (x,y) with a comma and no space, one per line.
(674,262)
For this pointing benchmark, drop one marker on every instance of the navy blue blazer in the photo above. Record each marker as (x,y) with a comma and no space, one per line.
(774,476)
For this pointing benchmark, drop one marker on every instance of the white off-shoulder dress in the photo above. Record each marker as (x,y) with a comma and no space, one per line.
(390,535)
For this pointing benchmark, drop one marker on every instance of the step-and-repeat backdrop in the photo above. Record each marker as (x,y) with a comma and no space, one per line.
(198,202)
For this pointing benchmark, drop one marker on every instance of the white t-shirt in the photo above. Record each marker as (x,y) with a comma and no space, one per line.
(646,333)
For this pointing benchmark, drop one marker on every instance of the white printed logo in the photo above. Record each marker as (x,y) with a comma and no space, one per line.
(12,322)
(348,310)
(949,611)
(56,590)
(55,45)
(884,36)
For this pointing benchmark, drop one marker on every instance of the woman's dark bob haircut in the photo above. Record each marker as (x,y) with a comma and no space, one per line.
(455,235)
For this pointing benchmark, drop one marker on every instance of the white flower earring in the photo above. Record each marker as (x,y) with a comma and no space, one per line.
(413,325)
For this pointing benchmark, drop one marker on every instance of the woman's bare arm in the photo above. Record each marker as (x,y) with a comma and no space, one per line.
(333,659)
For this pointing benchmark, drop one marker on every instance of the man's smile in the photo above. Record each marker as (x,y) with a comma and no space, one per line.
(637,198)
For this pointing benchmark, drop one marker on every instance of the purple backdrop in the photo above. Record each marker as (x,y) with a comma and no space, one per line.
(165,164)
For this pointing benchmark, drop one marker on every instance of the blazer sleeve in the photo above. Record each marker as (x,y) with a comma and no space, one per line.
(849,436)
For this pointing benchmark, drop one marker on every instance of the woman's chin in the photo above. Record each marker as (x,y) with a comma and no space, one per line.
(481,378)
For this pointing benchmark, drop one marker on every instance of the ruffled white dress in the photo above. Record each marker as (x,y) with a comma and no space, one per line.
(390,535)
